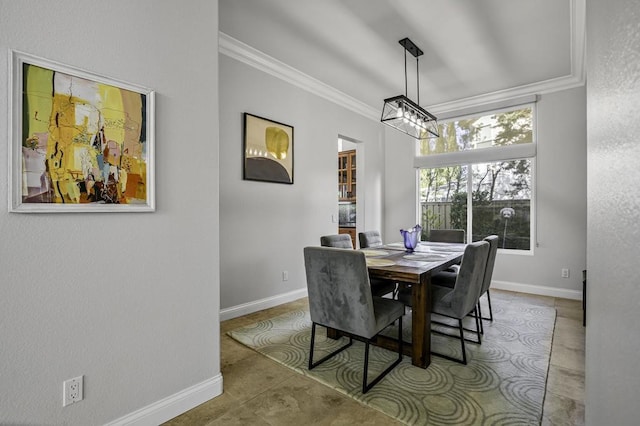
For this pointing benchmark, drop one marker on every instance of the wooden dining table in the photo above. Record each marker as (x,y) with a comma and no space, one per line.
(392,262)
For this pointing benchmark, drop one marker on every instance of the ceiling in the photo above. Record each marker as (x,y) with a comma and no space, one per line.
(472,49)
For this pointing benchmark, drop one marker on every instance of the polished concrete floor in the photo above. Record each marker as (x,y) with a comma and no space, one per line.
(258,391)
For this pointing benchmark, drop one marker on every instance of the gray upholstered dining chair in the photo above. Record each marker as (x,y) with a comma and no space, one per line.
(338,241)
(462,300)
(379,287)
(340,298)
(488,274)
(447,235)
(370,239)
(448,278)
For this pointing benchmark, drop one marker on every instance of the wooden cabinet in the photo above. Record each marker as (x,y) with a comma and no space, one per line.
(351,232)
(347,175)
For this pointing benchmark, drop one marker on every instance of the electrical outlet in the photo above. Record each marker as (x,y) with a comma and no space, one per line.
(285,275)
(565,273)
(72,390)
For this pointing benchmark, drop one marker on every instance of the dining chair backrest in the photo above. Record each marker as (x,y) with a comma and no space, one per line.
(338,241)
(338,290)
(447,235)
(466,290)
(491,260)
(370,239)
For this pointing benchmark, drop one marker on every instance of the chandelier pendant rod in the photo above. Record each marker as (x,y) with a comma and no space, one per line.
(406,91)
(418,78)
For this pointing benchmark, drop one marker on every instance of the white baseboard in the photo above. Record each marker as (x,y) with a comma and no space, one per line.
(258,305)
(537,289)
(173,405)
(270,302)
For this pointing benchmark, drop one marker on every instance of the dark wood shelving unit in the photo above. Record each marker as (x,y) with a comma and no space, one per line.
(347,175)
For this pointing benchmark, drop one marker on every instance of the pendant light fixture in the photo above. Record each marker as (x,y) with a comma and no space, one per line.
(405,115)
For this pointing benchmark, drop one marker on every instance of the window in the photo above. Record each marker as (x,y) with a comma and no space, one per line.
(477,176)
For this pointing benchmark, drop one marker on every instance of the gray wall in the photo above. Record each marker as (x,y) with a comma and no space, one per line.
(560,199)
(613,108)
(266,225)
(75,298)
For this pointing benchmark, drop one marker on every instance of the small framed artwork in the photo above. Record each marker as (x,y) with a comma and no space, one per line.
(268,150)
(78,142)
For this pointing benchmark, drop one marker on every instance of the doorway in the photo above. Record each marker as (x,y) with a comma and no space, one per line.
(349,196)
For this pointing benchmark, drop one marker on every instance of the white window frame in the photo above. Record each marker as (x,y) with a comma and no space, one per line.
(488,155)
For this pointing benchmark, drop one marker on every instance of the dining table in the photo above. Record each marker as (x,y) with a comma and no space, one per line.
(414,269)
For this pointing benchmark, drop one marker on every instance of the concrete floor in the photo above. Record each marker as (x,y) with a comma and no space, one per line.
(258,391)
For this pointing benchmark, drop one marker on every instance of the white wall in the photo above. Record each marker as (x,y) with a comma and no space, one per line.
(561,194)
(613,293)
(560,191)
(130,301)
(266,225)
(400,184)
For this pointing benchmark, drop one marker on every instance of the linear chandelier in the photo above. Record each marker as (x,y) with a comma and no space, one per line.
(405,115)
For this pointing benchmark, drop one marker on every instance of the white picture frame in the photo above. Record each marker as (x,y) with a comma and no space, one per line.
(78,141)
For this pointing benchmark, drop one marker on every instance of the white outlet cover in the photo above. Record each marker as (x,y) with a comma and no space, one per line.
(72,391)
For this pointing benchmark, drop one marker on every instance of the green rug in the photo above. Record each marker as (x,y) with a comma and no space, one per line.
(502,384)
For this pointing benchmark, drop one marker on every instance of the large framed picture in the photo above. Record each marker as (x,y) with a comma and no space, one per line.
(268,150)
(78,142)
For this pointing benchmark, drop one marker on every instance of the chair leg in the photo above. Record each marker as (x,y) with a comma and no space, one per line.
(444,324)
(490,318)
(367,387)
(479,314)
(479,330)
(400,339)
(461,330)
(464,353)
(313,339)
(490,310)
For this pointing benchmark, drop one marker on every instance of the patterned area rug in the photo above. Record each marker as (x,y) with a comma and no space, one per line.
(502,384)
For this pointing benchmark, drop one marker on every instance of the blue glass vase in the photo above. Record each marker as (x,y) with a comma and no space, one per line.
(411,237)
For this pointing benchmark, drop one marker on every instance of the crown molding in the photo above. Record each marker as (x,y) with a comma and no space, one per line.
(575,79)
(539,88)
(242,52)
(578,39)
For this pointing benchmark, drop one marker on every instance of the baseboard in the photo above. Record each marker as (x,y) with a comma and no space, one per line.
(270,302)
(537,289)
(173,405)
(258,305)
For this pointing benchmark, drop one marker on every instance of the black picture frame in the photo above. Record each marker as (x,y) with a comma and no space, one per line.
(268,150)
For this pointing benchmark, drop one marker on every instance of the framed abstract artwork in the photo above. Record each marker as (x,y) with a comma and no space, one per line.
(268,150)
(78,142)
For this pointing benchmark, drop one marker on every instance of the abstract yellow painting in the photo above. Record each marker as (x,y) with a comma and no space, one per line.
(80,142)
(268,150)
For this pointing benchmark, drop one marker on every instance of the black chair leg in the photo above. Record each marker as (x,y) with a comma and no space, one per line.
(313,339)
(367,387)
(366,367)
(490,318)
(479,314)
(461,329)
(490,310)
(400,340)
(464,353)
(479,329)
(472,314)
